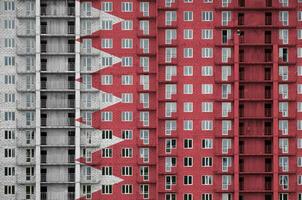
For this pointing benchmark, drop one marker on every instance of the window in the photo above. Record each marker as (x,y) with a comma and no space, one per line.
(127,61)
(207,144)
(9,79)
(9,189)
(107,43)
(188,89)
(107,189)
(86,8)
(299,143)
(188,71)
(188,196)
(126,171)
(127,79)
(206,125)
(106,116)
(9,98)
(170,16)
(9,134)
(9,171)
(188,125)
(9,42)
(126,153)
(207,16)
(299,180)
(126,116)
(299,161)
(299,52)
(144,136)
(188,52)
(9,60)
(127,98)
(207,52)
(107,153)
(127,134)
(127,43)
(144,154)
(206,71)
(225,17)
(106,134)
(207,106)
(206,89)
(206,162)
(127,189)
(188,34)
(127,6)
(188,106)
(188,16)
(188,143)
(299,16)
(106,171)
(299,34)
(9,24)
(9,5)
(144,8)
(283,17)
(9,153)
(207,34)
(107,79)
(127,25)
(188,180)
(188,161)
(106,98)
(106,24)
(206,180)
(9,116)
(299,70)
(207,196)
(107,6)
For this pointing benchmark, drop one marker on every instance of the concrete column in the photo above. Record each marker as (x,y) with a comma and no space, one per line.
(37,93)
(77,100)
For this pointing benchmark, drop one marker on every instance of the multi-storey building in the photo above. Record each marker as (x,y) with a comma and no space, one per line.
(151,99)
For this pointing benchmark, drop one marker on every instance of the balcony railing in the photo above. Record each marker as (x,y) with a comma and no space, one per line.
(49,30)
(57,85)
(57,195)
(70,48)
(60,103)
(58,122)
(70,11)
(56,159)
(61,178)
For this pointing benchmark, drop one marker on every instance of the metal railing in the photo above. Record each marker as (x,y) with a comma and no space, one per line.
(58,122)
(69,48)
(70,11)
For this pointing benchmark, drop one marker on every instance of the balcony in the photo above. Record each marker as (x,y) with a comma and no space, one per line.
(25,179)
(50,66)
(57,50)
(57,195)
(59,104)
(22,50)
(57,159)
(51,31)
(63,122)
(50,141)
(64,12)
(54,178)
(57,86)
(23,13)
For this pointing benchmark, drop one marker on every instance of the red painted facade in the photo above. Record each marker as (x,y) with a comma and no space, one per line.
(252,36)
